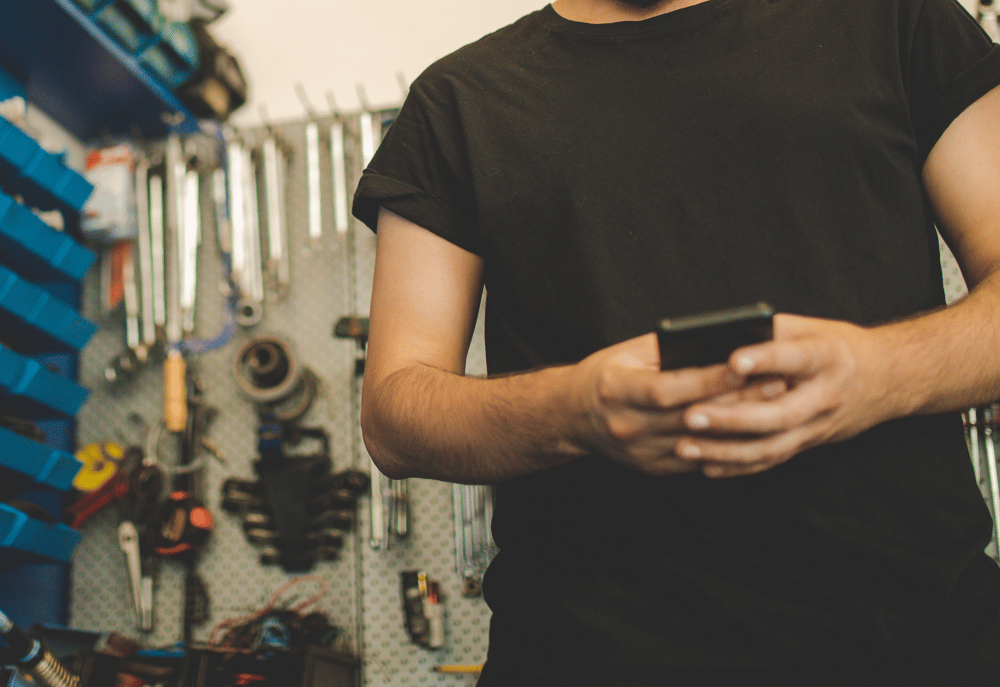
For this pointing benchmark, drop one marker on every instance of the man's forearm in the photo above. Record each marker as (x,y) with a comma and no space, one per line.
(949,359)
(425,422)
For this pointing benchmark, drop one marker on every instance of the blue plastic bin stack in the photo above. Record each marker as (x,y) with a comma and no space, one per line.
(165,49)
(41,335)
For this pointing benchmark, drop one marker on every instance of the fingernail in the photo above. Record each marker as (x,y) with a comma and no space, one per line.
(698,421)
(772,389)
(744,365)
(691,451)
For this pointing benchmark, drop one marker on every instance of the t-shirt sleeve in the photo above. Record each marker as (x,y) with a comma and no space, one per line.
(952,63)
(420,170)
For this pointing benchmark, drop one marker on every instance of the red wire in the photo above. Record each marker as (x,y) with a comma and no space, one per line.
(269,606)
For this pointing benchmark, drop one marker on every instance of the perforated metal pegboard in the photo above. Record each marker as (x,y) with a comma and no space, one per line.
(330,278)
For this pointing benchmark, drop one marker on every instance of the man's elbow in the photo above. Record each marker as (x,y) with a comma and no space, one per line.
(385,459)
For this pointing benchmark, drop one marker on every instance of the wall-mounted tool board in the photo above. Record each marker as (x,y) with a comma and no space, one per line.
(330,279)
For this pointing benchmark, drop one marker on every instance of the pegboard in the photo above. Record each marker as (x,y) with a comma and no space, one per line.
(330,279)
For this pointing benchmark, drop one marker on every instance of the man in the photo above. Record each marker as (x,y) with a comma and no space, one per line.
(809,508)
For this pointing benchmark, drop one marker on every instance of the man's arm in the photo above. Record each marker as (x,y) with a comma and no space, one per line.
(844,379)
(422,417)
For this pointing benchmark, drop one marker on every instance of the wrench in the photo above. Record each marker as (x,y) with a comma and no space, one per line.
(128,540)
(989,416)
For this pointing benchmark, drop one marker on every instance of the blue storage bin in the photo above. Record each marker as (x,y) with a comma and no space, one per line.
(46,183)
(130,23)
(174,59)
(72,190)
(16,148)
(89,6)
(54,542)
(180,39)
(34,319)
(36,250)
(31,390)
(41,463)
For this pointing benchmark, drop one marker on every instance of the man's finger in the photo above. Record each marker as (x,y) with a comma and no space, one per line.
(762,416)
(670,389)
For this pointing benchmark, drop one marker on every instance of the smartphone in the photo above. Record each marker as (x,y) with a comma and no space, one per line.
(709,338)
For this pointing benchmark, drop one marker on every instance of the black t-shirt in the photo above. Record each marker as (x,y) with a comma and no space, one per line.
(733,151)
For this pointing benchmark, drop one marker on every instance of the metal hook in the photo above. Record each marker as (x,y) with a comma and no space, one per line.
(304,99)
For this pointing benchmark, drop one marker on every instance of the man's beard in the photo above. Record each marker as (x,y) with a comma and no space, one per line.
(641,4)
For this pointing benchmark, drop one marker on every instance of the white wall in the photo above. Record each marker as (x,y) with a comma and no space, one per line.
(334,45)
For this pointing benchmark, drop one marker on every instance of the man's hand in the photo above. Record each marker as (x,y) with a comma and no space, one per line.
(630,411)
(833,373)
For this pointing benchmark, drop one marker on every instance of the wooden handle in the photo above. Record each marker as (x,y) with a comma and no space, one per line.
(174,392)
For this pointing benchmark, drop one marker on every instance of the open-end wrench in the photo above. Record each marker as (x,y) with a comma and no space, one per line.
(128,540)
(378,538)
(339,180)
(312,180)
(975,451)
(191,228)
(274,193)
(159,283)
(989,417)
(145,259)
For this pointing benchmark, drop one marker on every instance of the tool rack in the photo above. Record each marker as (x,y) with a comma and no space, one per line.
(330,279)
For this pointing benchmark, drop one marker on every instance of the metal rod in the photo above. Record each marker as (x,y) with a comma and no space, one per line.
(131,296)
(338,162)
(173,235)
(191,227)
(237,222)
(145,262)
(254,270)
(457,510)
(470,551)
(156,250)
(488,516)
(378,538)
(368,138)
(312,172)
(223,229)
(274,193)
(989,416)
(974,449)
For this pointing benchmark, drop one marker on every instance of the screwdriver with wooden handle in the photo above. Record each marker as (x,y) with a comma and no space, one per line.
(174,386)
